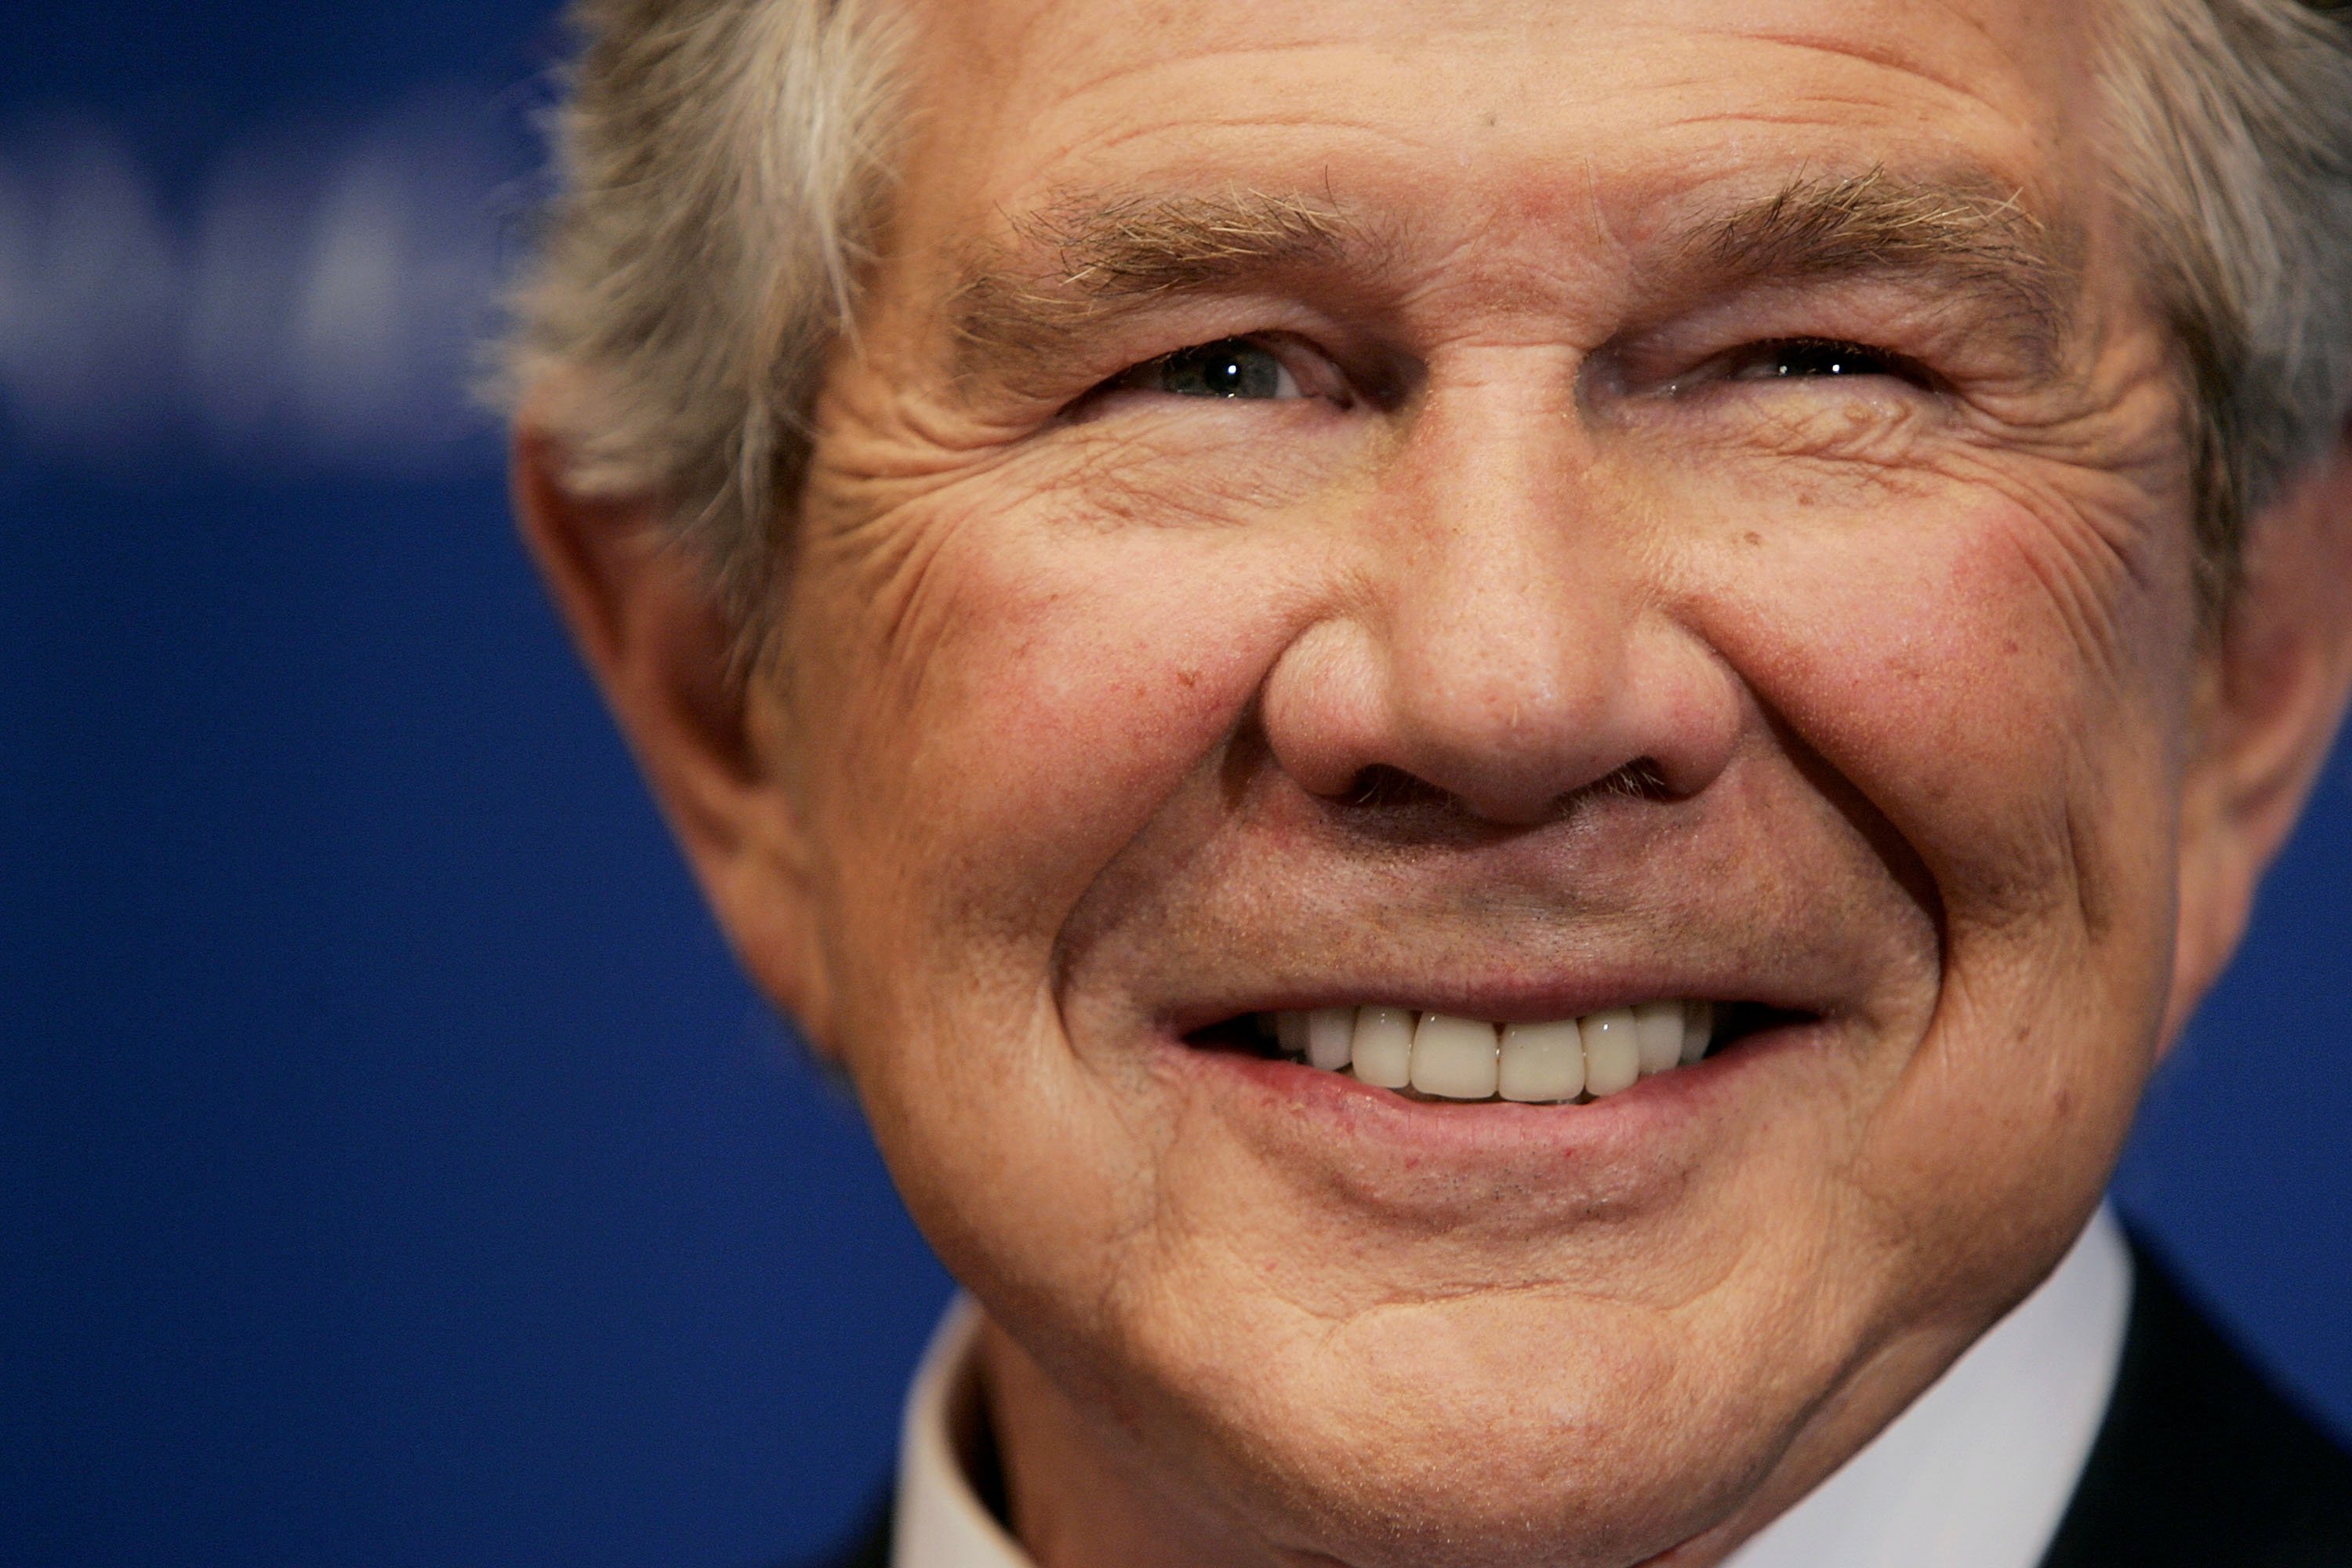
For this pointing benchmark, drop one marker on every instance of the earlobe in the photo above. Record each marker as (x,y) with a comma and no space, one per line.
(2274,696)
(655,636)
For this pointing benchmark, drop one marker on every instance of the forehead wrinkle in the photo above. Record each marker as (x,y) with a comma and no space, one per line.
(1074,263)
(1884,57)
(1965,230)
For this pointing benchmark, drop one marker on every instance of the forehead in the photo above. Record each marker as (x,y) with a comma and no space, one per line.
(1599,111)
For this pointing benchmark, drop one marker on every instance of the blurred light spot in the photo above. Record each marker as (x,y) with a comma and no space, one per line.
(314,303)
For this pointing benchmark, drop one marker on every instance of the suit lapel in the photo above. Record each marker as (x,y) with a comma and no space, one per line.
(2201,1464)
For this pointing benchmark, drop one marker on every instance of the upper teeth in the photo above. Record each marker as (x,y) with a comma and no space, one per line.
(1467,1059)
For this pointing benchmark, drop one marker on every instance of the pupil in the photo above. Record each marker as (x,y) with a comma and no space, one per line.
(1230,369)
(1825,358)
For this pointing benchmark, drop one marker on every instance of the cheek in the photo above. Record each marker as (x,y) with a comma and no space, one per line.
(1021,657)
(1999,679)
(1014,699)
(1040,696)
(2004,688)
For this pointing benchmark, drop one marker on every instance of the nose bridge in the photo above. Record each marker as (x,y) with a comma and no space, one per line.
(1509,608)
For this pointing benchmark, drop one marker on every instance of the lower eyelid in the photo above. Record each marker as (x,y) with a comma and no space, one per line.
(1892,383)
(1111,401)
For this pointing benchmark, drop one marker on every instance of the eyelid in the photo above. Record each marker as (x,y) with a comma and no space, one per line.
(1140,376)
(1724,368)
(1316,373)
(1960,348)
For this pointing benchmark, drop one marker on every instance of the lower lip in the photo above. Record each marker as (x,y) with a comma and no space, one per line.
(1643,1121)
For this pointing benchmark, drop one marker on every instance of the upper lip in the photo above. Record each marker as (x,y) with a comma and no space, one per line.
(1551,925)
(1508,999)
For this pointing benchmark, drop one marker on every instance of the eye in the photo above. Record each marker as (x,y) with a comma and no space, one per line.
(1229,367)
(1795,359)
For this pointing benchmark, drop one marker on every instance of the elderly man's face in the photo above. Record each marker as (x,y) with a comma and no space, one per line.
(1510,511)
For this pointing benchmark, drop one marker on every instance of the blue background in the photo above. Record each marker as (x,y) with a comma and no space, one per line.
(395,1169)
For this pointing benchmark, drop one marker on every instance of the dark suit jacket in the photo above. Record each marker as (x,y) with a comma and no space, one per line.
(2199,1463)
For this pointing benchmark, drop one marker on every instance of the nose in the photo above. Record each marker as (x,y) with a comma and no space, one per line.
(1503,634)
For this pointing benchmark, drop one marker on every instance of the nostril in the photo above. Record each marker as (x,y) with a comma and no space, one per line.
(1640,779)
(1381,786)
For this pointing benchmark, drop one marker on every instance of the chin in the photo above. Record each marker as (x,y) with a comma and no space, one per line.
(1496,1426)
(1487,1432)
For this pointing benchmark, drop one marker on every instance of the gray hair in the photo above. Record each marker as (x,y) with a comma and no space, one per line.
(724,166)
(2234,124)
(721,167)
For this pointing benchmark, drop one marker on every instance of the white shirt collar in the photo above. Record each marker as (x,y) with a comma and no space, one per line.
(940,1521)
(1976,1474)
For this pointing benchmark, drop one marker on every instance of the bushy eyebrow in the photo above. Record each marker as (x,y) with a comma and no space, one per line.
(1077,262)
(1068,268)
(1967,234)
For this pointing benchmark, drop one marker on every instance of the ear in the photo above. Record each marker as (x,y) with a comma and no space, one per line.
(2274,692)
(654,635)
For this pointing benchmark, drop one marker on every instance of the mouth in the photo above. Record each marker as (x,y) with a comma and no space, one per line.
(1433,1055)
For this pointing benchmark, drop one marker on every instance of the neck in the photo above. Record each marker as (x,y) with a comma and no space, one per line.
(1081,1495)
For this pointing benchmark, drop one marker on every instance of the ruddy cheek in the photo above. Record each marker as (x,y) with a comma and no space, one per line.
(1084,681)
(1923,670)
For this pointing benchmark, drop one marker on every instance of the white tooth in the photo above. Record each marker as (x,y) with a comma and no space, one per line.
(1542,1062)
(1382,1048)
(1658,1035)
(1613,1057)
(1290,1033)
(1453,1058)
(1330,1038)
(1698,1029)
